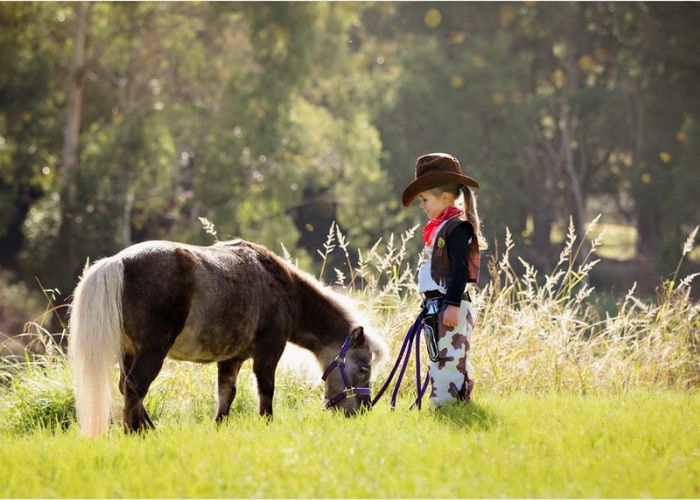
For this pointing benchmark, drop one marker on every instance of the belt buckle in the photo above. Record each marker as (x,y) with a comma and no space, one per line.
(433,305)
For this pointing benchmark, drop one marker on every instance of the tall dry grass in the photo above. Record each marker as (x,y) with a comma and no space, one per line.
(550,335)
(546,332)
(533,334)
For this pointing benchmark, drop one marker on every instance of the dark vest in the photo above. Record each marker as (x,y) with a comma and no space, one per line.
(440,263)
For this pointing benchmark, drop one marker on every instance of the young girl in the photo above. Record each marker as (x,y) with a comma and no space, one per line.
(449,261)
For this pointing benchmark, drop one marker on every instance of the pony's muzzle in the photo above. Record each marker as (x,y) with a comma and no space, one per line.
(364,404)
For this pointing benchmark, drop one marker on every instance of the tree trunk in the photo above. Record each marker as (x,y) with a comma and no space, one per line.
(541,202)
(574,181)
(64,248)
(648,230)
(74,106)
(569,128)
(542,218)
(126,223)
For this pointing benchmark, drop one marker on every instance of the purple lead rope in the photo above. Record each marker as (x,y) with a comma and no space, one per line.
(396,364)
(418,366)
(395,393)
(420,388)
(413,334)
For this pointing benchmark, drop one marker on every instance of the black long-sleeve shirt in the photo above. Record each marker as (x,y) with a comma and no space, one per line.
(457,248)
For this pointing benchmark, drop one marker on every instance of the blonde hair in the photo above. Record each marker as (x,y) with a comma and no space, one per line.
(470,207)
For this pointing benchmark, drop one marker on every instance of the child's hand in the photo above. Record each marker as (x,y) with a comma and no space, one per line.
(451,317)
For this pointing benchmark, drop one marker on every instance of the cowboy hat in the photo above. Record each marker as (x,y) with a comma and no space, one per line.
(434,170)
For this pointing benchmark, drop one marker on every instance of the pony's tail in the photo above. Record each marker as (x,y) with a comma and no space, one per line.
(94,342)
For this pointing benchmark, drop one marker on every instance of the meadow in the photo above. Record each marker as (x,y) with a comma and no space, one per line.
(639,444)
(570,402)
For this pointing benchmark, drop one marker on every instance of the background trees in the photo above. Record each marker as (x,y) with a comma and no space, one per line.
(125,122)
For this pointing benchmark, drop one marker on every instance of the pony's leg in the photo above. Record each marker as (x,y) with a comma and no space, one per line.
(127,362)
(144,370)
(228,374)
(264,366)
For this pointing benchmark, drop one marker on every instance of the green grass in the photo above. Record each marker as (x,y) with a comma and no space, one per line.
(637,444)
(571,401)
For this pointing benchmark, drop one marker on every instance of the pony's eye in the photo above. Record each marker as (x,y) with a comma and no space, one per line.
(364,370)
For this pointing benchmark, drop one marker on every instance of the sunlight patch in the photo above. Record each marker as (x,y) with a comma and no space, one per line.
(302,363)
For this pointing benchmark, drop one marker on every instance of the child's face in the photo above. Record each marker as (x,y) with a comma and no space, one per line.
(433,204)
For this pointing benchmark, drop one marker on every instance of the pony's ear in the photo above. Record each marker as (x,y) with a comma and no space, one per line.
(357,337)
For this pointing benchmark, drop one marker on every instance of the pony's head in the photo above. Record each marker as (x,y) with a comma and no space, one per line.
(348,376)
(326,317)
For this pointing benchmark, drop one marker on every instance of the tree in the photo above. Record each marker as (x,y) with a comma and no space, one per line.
(661,70)
(29,131)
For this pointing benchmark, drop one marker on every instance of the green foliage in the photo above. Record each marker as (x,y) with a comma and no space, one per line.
(38,395)
(462,103)
(29,125)
(18,305)
(663,114)
(241,113)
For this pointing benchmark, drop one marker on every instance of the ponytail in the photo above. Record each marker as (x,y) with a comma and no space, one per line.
(473,215)
(469,202)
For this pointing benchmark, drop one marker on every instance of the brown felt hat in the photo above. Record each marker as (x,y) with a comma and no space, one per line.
(433,170)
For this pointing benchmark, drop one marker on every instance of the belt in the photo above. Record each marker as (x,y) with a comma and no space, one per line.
(431,294)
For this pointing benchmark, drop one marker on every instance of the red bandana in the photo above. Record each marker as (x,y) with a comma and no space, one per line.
(433,224)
